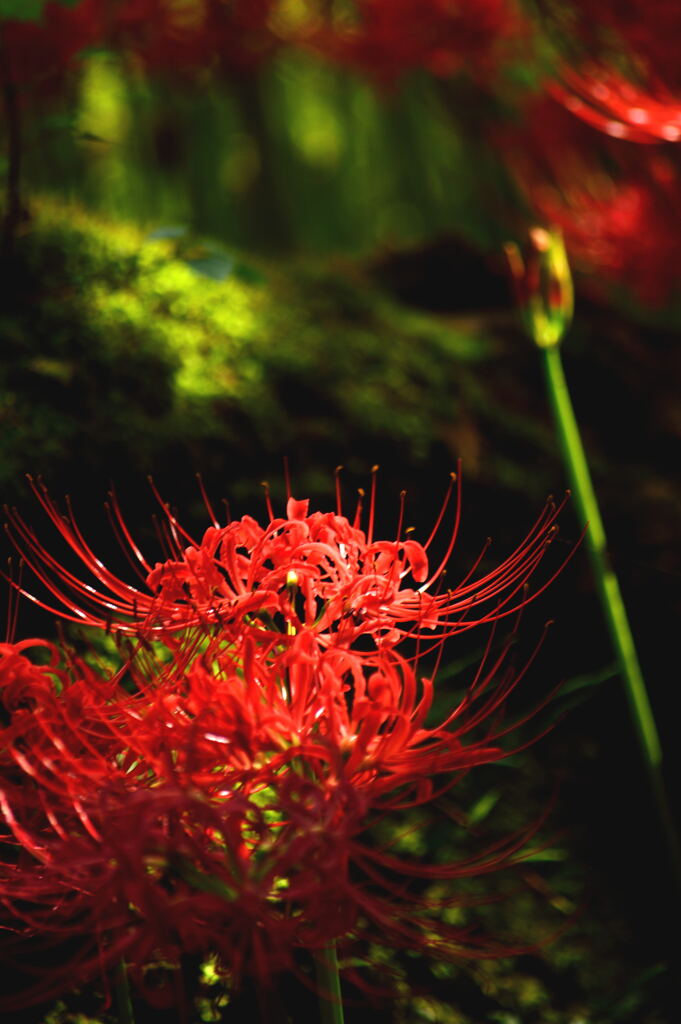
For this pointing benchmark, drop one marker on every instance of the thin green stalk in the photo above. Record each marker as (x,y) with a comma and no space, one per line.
(328,983)
(609,591)
(123,998)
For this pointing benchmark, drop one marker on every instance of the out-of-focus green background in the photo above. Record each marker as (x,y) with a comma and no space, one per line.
(219,252)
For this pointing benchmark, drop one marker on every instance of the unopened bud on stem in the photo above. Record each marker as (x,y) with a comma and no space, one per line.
(543,285)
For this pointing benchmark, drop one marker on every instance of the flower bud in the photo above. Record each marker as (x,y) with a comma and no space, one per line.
(543,285)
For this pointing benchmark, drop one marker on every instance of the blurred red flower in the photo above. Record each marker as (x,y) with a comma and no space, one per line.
(616,203)
(621,71)
(388,38)
(610,102)
(209,35)
(36,54)
(179,38)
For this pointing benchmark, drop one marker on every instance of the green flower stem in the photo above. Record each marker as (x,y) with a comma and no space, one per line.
(123,999)
(609,592)
(328,982)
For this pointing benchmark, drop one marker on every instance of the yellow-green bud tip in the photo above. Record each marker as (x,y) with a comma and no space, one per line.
(543,285)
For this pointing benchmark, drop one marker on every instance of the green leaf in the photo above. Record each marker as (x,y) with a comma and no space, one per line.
(582,682)
(22,10)
(482,808)
(454,668)
(552,853)
(62,122)
(248,274)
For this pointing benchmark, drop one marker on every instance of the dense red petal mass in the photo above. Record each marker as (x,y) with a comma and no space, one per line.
(226,807)
(216,790)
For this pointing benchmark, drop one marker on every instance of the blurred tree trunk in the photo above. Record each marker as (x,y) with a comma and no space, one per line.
(265,213)
(15,212)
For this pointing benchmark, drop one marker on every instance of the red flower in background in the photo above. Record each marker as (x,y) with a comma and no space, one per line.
(610,102)
(644,33)
(392,37)
(622,72)
(617,204)
(36,54)
(209,35)
(185,38)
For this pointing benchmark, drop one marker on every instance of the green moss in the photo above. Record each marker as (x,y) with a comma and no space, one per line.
(117,350)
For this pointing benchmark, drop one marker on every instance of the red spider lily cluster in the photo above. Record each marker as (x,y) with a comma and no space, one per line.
(216,791)
(384,39)
(388,38)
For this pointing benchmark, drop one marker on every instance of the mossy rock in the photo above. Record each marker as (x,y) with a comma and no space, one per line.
(121,358)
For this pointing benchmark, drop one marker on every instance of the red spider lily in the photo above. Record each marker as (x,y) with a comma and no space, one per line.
(226,804)
(642,35)
(622,74)
(219,791)
(608,101)
(391,37)
(624,234)
(317,572)
(617,204)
